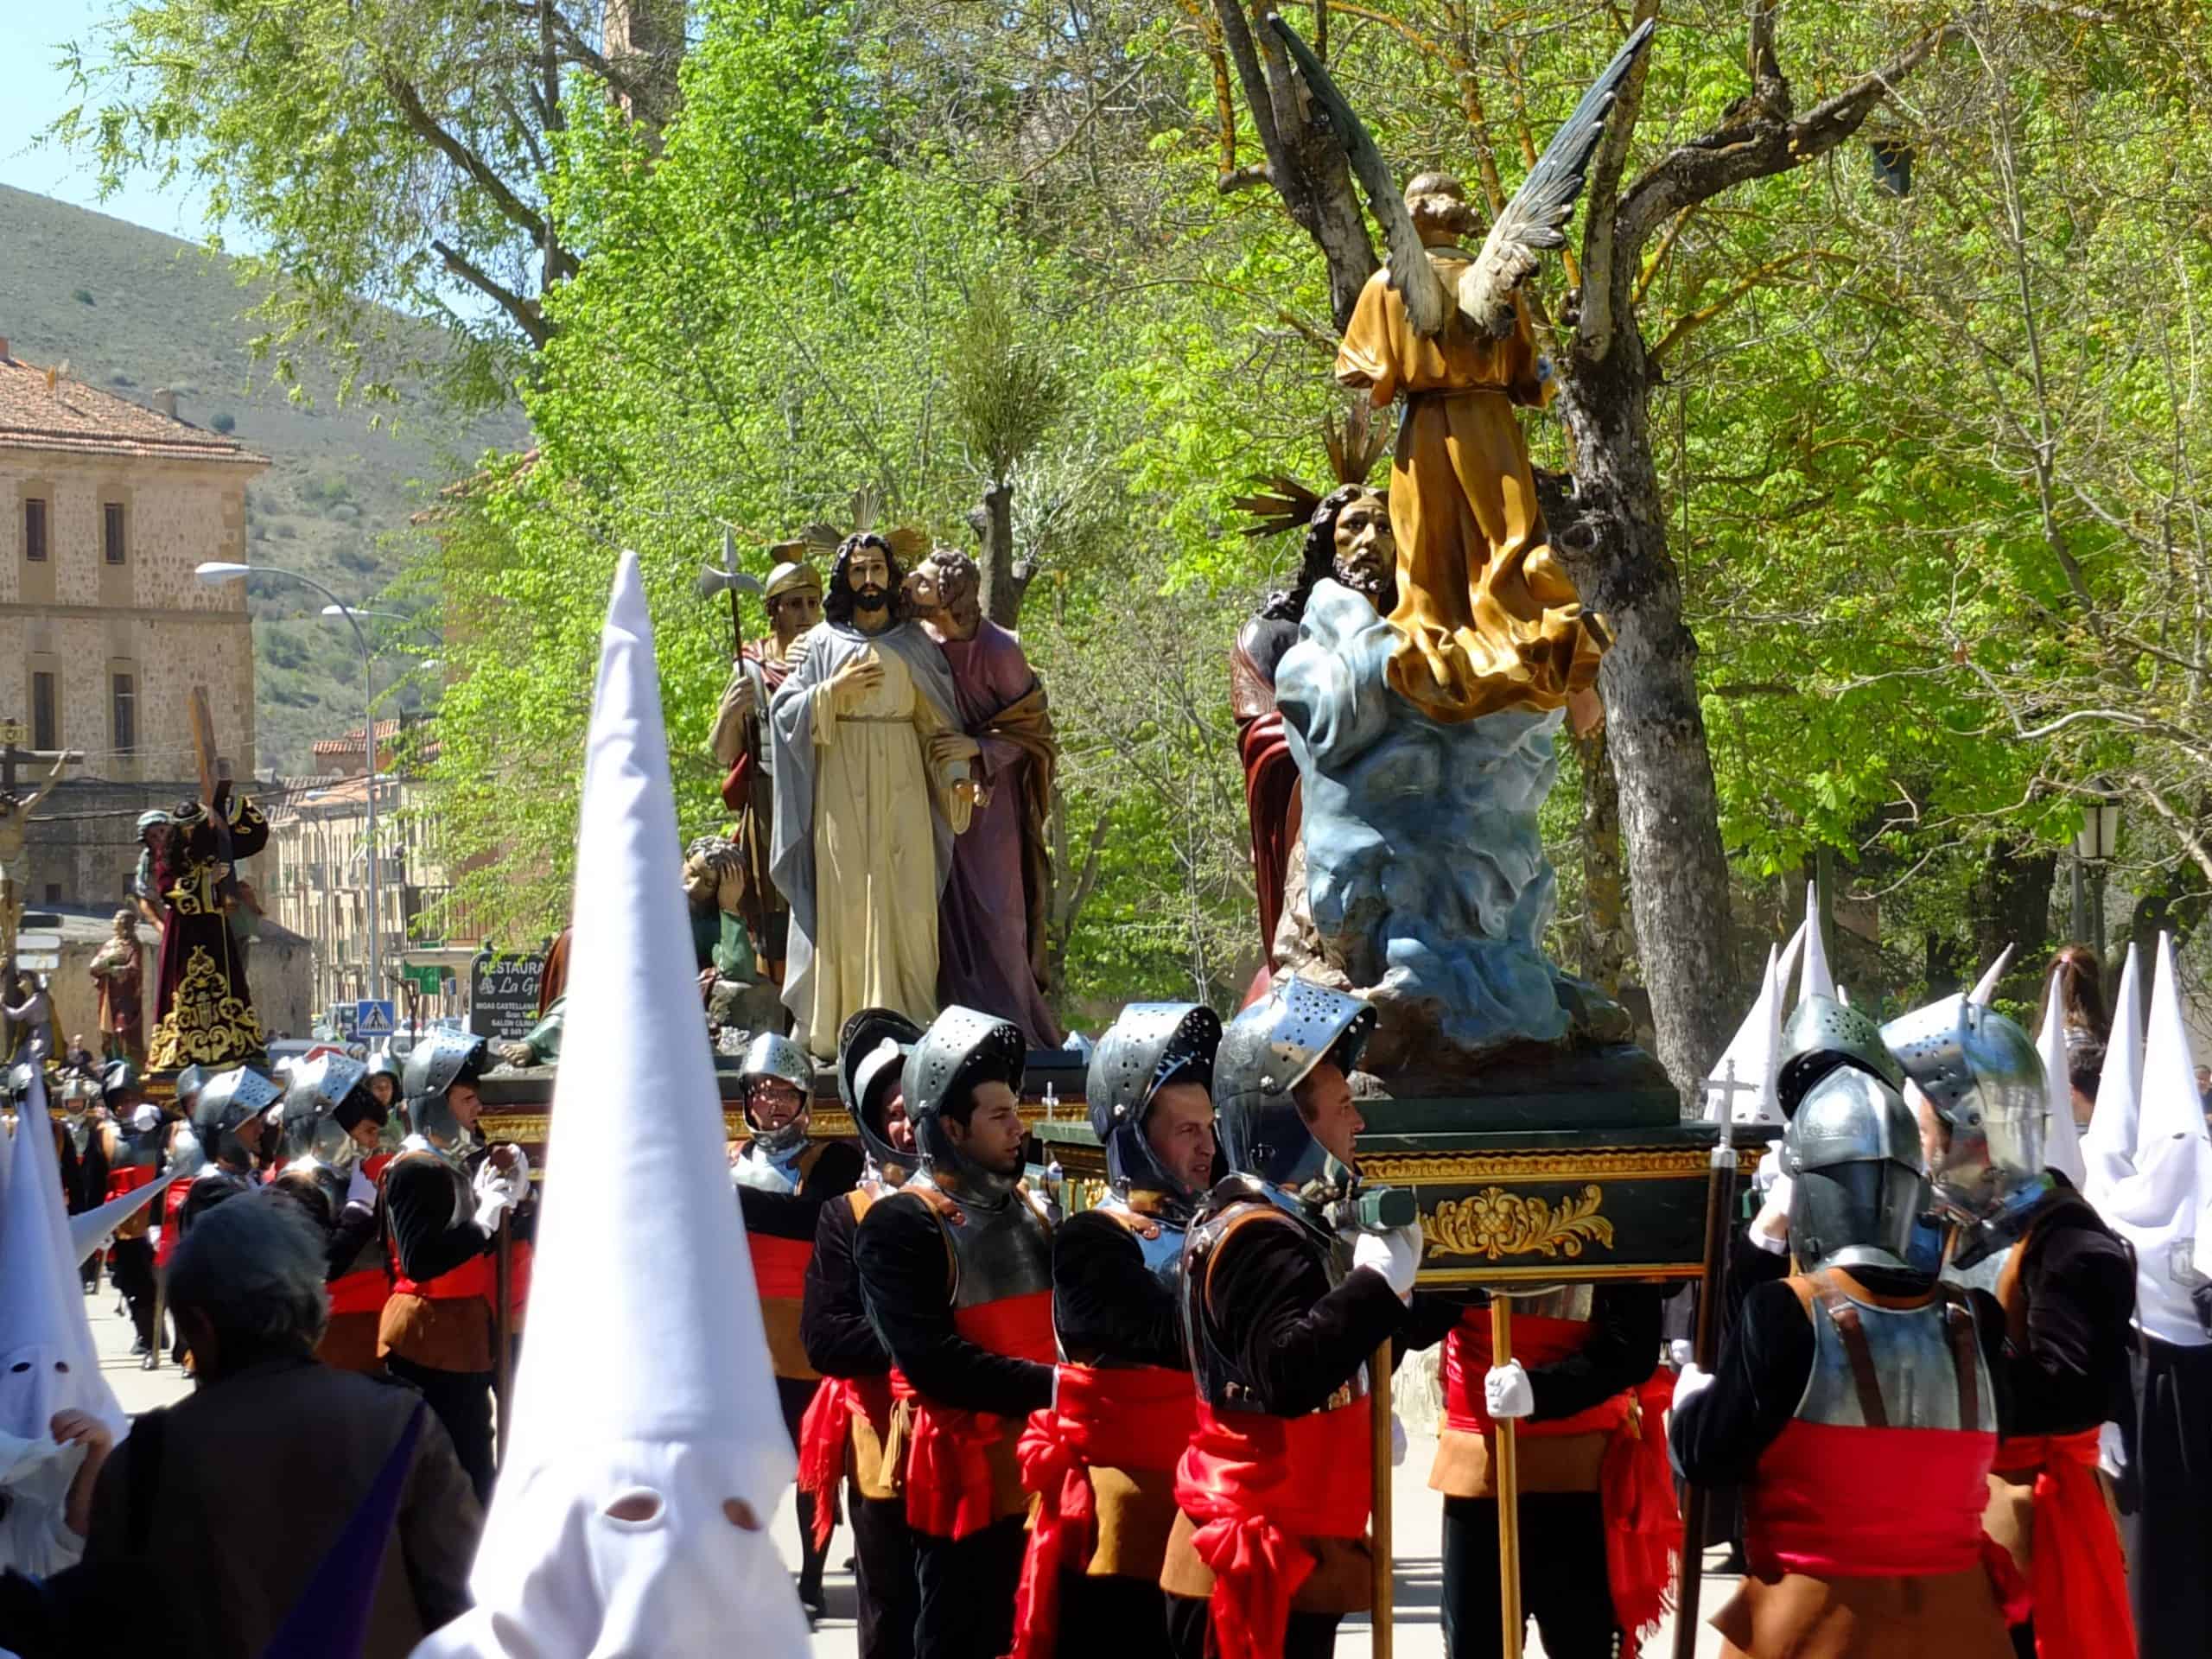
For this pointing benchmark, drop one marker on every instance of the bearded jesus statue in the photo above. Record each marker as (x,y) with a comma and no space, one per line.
(865,813)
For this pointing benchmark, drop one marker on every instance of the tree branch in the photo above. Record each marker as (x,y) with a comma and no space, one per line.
(1601,235)
(1236,39)
(1759,144)
(523,312)
(412,109)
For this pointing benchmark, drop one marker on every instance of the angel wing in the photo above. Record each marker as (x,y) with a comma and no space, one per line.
(1536,216)
(1411,274)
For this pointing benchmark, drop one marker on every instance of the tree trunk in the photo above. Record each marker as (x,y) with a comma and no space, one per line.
(2013,907)
(644,40)
(1616,549)
(1005,580)
(1606,940)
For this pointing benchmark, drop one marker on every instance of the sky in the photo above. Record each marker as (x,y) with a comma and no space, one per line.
(32,34)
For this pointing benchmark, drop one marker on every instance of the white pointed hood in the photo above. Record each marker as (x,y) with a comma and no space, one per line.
(1819,981)
(2108,1149)
(2164,1209)
(93,1229)
(1986,986)
(2062,1139)
(1753,1056)
(42,1324)
(1786,967)
(645,1384)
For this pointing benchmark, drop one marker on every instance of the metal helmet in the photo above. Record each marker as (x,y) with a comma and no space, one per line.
(225,1101)
(962,1049)
(78,1093)
(772,1055)
(1852,1152)
(190,1082)
(789,577)
(1982,1075)
(872,1051)
(117,1077)
(1821,1035)
(1266,1053)
(381,1064)
(443,1058)
(326,1097)
(1148,1045)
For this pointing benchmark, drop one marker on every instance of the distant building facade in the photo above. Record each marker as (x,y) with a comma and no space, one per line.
(314,880)
(105,507)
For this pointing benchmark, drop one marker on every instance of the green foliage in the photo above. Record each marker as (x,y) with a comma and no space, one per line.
(1006,391)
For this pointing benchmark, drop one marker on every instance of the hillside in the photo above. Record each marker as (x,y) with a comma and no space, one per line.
(131,309)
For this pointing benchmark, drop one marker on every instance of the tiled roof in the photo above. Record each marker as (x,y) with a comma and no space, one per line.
(352,742)
(78,419)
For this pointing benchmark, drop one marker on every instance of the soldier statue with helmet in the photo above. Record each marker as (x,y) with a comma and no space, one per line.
(2062,1291)
(1853,1400)
(783,1179)
(1280,1314)
(442,1198)
(1103,1459)
(846,1436)
(955,1270)
(331,1120)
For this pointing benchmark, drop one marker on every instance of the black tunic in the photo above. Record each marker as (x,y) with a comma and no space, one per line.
(900,1252)
(833,1316)
(835,1172)
(1294,1338)
(2069,1371)
(1107,1305)
(1620,1352)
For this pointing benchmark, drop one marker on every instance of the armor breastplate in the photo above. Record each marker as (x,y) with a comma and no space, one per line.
(1159,1240)
(1221,1382)
(1915,1369)
(997,1252)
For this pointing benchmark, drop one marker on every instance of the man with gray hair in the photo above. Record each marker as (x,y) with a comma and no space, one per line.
(276,1448)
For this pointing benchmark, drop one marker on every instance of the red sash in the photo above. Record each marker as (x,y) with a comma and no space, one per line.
(129,1179)
(478,1276)
(2076,1574)
(1635,1486)
(1841,1502)
(1136,1418)
(1256,1485)
(779,1265)
(365,1292)
(826,1430)
(171,1206)
(949,1492)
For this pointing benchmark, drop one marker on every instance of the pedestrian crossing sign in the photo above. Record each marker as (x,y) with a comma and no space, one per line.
(371,1018)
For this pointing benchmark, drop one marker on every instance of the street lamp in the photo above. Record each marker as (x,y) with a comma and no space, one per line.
(2095,845)
(214,574)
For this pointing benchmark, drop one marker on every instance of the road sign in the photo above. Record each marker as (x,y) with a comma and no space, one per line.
(39,962)
(371,1018)
(37,941)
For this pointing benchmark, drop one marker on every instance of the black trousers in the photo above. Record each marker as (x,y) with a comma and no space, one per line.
(1190,1631)
(1562,1577)
(463,1402)
(794,1395)
(883,1575)
(1105,1617)
(966,1590)
(132,1270)
(2165,1498)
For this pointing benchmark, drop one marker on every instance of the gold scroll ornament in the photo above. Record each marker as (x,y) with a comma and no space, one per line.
(1494,1223)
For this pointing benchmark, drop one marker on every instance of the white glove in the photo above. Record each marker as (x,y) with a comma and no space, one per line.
(1678,1352)
(1693,1381)
(1507,1397)
(500,1189)
(1397,1442)
(1769,1171)
(2111,1449)
(1394,1255)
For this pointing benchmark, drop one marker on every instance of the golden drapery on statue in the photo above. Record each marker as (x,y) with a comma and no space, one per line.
(1487,619)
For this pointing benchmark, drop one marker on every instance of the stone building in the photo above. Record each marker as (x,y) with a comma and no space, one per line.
(314,879)
(105,507)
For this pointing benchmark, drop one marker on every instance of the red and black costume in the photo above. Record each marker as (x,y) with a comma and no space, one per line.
(1858,1410)
(1271,1546)
(2063,1302)
(847,1431)
(1597,1498)
(779,1232)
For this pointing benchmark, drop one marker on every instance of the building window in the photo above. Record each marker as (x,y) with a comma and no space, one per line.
(45,712)
(34,530)
(112,532)
(124,697)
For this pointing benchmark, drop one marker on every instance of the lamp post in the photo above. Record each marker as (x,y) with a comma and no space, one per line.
(2095,845)
(215,574)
